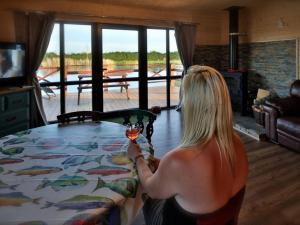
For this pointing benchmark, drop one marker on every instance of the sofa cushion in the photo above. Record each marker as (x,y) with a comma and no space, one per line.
(289,125)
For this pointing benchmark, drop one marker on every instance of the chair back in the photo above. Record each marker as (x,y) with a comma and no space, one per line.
(227,215)
(79,116)
(143,118)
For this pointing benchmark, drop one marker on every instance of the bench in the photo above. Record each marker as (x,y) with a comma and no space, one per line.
(106,75)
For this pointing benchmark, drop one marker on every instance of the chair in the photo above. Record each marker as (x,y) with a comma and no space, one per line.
(47,89)
(141,117)
(79,116)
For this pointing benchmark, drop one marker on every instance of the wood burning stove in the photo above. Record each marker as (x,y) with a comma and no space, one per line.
(236,80)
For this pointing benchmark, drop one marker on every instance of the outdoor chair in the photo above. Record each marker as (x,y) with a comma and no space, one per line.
(79,116)
(143,118)
(47,89)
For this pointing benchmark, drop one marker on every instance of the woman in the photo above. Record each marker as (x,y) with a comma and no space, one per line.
(201,181)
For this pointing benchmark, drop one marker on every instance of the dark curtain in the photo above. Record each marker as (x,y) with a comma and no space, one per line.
(35,30)
(185,35)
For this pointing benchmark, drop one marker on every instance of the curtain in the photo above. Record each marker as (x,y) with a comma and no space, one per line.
(35,30)
(185,35)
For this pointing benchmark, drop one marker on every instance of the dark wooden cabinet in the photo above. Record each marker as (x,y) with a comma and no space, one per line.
(14,110)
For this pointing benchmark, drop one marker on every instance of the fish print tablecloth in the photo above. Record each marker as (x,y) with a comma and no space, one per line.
(71,174)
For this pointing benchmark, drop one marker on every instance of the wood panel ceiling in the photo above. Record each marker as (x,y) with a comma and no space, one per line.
(179,4)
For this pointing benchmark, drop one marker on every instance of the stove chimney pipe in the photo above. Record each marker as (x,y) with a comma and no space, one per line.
(233,37)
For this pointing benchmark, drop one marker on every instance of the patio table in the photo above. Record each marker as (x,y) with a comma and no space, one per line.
(69,174)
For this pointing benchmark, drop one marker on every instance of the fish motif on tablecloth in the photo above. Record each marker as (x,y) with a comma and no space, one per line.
(12,151)
(85,146)
(84,219)
(6,186)
(124,186)
(19,140)
(82,202)
(36,170)
(22,133)
(47,156)
(64,182)
(51,143)
(4,161)
(111,145)
(77,160)
(16,199)
(105,170)
(120,158)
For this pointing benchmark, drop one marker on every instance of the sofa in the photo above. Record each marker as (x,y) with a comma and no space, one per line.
(282,119)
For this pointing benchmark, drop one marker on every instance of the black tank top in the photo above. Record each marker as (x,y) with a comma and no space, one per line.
(174,214)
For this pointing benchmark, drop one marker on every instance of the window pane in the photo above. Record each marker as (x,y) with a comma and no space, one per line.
(78,97)
(156,47)
(157,93)
(175,62)
(49,71)
(120,95)
(174,94)
(50,66)
(120,50)
(78,58)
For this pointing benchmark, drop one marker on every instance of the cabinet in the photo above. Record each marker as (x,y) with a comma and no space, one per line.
(14,110)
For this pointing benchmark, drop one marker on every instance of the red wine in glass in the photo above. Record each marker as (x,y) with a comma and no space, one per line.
(132,132)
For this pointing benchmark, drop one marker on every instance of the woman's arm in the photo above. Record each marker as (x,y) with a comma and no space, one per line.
(161,184)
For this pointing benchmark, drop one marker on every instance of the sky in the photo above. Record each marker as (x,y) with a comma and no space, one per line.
(78,40)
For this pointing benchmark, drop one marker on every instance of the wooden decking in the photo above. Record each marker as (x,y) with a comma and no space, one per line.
(273,187)
(113,100)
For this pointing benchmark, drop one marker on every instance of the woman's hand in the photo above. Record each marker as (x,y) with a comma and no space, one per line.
(133,150)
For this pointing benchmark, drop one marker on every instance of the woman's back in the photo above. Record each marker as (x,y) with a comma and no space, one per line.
(205,180)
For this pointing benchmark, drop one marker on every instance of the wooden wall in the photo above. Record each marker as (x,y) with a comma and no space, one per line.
(209,24)
(277,20)
(268,21)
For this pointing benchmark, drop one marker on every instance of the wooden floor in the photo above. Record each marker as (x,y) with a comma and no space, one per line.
(273,188)
(113,100)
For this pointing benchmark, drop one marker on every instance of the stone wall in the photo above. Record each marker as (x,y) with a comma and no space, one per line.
(270,65)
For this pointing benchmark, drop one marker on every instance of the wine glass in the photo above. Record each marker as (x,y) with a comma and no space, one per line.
(133,131)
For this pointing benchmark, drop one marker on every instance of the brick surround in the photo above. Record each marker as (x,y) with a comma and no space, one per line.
(270,65)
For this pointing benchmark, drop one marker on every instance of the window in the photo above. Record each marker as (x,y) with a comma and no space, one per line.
(109,76)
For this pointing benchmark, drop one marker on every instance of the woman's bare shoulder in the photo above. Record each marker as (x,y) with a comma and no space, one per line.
(181,157)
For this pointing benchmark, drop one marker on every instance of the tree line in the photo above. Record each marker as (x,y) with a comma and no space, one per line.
(117,56)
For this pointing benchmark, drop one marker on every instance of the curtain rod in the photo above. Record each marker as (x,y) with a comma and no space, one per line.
(87,15)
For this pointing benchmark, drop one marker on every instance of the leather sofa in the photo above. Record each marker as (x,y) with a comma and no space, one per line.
(282,119)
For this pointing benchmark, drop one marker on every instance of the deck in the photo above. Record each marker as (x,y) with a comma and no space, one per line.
(113,100)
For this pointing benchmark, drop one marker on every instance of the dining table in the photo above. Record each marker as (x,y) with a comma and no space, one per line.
(69,174)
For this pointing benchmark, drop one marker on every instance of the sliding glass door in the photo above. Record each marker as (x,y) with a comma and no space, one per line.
(108,68)
(120,61)
(78,67)
(164,68)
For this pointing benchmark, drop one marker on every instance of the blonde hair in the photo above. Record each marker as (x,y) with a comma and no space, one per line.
(207,111)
